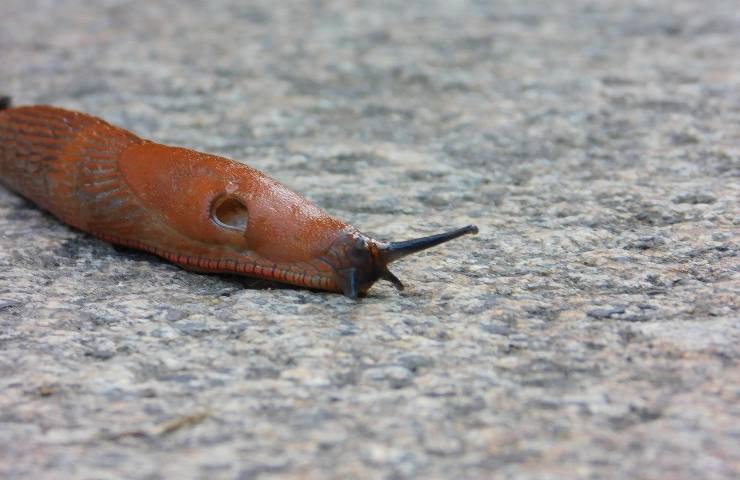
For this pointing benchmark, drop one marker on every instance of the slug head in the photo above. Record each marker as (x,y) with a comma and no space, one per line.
(360,261)
(207,207)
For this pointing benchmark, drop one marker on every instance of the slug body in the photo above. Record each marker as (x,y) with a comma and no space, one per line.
(202,212)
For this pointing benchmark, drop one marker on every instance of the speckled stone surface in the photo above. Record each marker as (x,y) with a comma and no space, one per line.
(589,331)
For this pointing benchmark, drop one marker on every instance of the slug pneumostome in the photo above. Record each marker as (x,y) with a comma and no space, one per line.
(199,211)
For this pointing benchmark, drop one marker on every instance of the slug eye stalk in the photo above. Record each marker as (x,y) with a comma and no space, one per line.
(398,250)
(368,259)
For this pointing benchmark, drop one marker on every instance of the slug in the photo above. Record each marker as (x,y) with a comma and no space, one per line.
(202,212)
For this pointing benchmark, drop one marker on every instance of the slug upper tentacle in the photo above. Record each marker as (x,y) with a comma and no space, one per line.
(200,211)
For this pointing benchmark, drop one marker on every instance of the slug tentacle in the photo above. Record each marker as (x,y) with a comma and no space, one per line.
(360,261)
(199,211)
(397,250)
(388,275)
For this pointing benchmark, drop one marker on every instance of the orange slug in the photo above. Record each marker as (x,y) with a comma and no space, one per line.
(202,212)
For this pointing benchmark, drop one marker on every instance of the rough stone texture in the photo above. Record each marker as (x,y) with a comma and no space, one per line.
(590,331)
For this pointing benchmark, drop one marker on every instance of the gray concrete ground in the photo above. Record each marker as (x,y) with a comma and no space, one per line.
(590,331)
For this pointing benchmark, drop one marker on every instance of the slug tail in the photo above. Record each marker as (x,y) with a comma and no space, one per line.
(5,103)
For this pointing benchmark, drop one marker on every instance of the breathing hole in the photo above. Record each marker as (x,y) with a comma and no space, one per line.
(229,212)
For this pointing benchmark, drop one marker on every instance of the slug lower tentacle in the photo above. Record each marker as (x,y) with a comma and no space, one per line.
(199,211)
